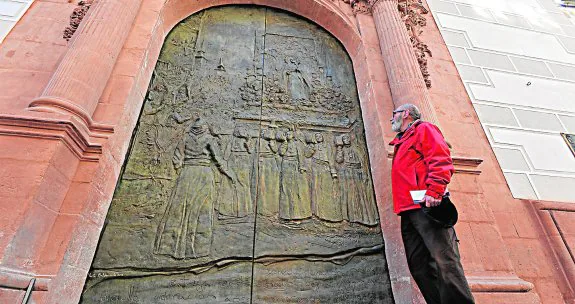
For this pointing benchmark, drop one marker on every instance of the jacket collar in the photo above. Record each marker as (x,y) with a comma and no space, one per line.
(406,134)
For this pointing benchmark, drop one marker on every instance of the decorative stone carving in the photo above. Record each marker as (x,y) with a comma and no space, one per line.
(248,178)
(412,12)
(360,6)
(76,18)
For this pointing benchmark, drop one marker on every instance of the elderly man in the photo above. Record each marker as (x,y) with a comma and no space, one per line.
(422,161)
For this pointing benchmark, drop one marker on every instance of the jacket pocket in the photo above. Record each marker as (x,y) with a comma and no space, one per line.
(420,176)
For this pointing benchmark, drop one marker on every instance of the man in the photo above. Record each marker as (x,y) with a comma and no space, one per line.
(422,161)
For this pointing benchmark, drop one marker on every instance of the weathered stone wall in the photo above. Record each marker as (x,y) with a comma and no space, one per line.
(62,150)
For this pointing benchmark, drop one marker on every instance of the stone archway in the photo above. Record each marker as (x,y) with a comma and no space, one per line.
(98,98)
(248,180)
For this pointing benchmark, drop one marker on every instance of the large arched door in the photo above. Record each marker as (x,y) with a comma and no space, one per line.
(248,179)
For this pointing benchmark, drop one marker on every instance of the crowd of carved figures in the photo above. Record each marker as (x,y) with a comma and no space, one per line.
(286,174)
(247,173)
(287,146)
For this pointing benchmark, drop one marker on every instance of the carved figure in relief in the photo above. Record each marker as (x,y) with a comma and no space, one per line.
(323,175)
(357,202)
(185,230)
(297,86)
(250,91)
(294,202)
(155,104)
(235,199)
(269,175)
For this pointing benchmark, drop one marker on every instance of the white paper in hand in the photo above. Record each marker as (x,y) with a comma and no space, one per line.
(417,196)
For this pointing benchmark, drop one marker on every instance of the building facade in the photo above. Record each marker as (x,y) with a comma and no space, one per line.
(496,77)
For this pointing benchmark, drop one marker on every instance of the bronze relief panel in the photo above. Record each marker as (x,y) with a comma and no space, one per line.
(248,178)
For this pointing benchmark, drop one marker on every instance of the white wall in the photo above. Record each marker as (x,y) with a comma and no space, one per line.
(10,12)
(517,60)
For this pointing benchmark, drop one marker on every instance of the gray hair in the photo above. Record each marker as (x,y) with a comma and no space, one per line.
(413,110)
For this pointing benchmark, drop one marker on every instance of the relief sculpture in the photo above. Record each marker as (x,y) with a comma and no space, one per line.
(235,199)
(248,180)
(294,201)
(185,230)
(296,84)
(356,201)
(324,179)
(269,174)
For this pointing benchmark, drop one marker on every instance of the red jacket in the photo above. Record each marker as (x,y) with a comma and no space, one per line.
(421,161)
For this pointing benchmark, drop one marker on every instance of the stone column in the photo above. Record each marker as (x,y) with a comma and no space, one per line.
(82,75)
(75,88)
(403,71)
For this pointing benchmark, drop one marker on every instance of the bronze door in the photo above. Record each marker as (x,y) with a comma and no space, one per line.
(248,179)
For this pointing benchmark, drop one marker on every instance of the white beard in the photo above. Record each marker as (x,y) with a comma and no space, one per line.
(396,124)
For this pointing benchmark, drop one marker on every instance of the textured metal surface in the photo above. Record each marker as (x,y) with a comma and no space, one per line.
(248,180)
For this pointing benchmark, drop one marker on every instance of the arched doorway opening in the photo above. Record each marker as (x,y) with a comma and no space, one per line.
(248,179)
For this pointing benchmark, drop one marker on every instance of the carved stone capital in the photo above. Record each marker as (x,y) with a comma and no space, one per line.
(412,12)
(76,18)
(374,2)
(360,6)
(406,69)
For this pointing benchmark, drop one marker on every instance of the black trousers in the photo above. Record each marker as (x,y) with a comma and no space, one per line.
(433,260)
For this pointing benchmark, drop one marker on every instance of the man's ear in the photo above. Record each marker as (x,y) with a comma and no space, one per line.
(406,114)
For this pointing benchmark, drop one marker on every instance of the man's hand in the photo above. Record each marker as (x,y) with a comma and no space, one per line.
(431,201)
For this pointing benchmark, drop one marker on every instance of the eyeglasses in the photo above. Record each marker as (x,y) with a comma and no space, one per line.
(395,112)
